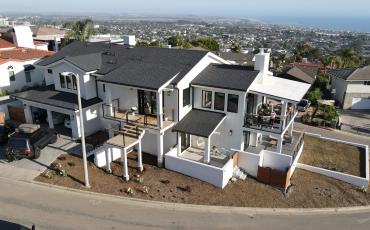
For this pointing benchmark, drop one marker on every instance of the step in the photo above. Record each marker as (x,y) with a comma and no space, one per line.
(132,127)
(131,131)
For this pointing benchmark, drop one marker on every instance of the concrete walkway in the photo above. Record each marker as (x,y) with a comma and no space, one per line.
(356,121)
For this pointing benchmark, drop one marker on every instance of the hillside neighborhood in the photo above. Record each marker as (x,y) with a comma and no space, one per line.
(183,124)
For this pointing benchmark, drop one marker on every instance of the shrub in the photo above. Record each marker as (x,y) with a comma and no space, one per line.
(315,95)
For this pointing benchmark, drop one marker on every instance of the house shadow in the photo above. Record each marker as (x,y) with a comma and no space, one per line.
(13,226)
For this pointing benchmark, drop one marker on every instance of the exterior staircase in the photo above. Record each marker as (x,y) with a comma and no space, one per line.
(239,174)
(133,131)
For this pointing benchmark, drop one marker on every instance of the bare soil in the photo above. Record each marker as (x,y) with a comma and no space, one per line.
(309,190)
(334,156)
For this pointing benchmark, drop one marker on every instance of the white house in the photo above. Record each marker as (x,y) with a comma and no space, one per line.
(191,109)
(351,87)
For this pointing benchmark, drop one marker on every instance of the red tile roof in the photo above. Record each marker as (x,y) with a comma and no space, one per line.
(5,44)
(23,54)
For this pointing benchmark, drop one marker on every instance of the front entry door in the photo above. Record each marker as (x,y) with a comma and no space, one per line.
(147,102)
(185,141)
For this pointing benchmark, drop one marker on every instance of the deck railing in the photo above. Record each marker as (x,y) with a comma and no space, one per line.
(297,146)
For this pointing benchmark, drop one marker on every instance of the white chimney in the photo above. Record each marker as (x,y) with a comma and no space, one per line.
(262,63)
(22,37)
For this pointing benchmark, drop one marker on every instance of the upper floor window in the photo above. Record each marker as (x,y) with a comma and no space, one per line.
(11,73)
(186,97)
(28,76)
(104,88)
(366,82)
(219,101)
(62,81)
(74,82)
(206,99)
(69,82)
(50,71)
(232,103)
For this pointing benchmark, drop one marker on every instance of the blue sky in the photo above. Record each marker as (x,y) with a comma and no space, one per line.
(234,8)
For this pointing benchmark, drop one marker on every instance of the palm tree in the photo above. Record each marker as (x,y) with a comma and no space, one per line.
(79,30)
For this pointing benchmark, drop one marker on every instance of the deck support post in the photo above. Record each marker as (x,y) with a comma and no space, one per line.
(160,109)
(290,130)
(207,150)
(280,144)
(178,144)
(108,96)
(108,154)
(283,114)
(126,177)
(28,114)
(50,119)
(140,157)
(160,150)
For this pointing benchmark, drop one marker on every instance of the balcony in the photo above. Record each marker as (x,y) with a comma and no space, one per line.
(264,121)
(149,121)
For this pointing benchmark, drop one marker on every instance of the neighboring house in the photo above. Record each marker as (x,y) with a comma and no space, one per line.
(301,73)
(238,58)
(52,36)
(351,87)
(188,107)
(17,69)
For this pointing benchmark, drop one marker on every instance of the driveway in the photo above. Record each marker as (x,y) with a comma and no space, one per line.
(356,121)
(27,169)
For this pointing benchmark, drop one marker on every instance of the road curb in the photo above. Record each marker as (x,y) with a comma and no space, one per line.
(205,208)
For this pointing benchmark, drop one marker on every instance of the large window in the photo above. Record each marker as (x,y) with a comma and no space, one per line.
(219,101)
(186,97)
(50,71)
(11,73)
(74,82)
(206,99)
(232,103)
(69,82)
(62,81)
(28,76)
(366,82)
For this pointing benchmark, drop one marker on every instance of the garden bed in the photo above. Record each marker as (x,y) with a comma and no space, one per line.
(309,190)
(334,156)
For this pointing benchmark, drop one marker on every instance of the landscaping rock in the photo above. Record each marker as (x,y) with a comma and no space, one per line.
(184,189)
(165,181)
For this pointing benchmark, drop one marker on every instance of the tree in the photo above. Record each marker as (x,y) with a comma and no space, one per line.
(175,41)
(79,30)
(142,43)
(350,58)
(305,50)
(235,47)
(314,95)
(155,43)
(206,43)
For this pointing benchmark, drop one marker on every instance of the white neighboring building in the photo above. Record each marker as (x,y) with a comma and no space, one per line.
(351,87)
(194,108)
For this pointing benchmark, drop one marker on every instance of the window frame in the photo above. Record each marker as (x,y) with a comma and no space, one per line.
(68,81)
(210,102)
(74,82)
(186,97)
(28,76)
(50,71)
(62,81)
(11,73)
(223,101)
(229,104)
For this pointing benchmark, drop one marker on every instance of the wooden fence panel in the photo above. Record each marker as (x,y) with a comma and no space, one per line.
(16,114)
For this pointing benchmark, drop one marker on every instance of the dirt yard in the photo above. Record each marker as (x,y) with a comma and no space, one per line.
(333,156)
(308,191)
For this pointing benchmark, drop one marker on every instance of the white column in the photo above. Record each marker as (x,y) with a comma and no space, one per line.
(160,109)
(108,98)
(290,130)
(50,119)
(160,149)
(108,155)
(207,150)
(178,144)
(126,177)
(283,114)
(140,157)
(28,114)
(280,144)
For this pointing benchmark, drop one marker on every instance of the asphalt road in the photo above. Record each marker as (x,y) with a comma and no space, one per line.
(47,207)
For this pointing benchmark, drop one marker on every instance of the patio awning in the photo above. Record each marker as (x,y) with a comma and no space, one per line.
(281,88)
(200,123)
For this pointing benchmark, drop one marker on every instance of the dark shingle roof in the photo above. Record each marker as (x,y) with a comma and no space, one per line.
(302,74)
(341,73)
(199,122)
(49,96)
(146,67)
(240,58)
(233,77)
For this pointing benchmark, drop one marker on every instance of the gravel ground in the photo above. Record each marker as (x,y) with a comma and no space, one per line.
(309,190)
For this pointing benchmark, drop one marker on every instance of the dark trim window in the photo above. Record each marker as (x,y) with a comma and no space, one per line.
(219,101)
(11,73)
(366,82)
(186,97)
(69,82)
(206,99)
(28,76)
(50,71)
(104,88)
(232,103)
(74,82)
(62,81)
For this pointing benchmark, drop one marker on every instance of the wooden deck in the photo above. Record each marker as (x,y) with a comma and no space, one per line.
(122,141)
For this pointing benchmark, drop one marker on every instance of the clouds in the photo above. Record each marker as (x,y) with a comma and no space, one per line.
(236,8)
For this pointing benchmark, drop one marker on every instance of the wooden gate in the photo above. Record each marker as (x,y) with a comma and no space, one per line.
(16,114)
